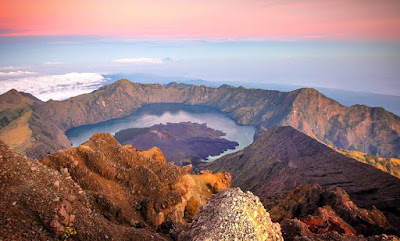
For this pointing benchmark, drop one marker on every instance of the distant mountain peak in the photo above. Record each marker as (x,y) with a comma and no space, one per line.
(13,97)
(123,82)
(225,86)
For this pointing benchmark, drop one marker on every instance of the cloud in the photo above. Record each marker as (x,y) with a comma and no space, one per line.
(13,67)
(56,87)
(139,61)
(16,73)
(53,63)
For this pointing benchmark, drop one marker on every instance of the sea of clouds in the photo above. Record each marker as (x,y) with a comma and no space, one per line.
(56,87)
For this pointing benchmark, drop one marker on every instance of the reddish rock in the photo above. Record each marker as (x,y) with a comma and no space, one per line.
(56,184)
(323,213)
(325,220)
(71,198)
(283,159)
(71,218)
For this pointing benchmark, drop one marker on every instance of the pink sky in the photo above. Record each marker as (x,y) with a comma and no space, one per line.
(227,19)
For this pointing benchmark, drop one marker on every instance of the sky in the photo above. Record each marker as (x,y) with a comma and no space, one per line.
(58,48)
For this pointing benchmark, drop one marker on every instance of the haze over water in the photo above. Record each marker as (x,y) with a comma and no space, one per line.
(153,114)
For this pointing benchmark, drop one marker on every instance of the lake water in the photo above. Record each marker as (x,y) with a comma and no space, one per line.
(153,114)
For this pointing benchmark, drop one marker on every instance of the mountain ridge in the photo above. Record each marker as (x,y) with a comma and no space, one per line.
(370,130)
(284,158)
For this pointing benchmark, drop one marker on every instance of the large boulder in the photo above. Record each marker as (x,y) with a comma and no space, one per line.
(232,215)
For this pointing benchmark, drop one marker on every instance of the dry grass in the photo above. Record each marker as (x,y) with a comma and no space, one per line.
(17,134)
(389,165)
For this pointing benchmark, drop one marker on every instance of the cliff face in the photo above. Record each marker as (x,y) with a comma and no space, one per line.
(370,130)
(283,158)
(101,190)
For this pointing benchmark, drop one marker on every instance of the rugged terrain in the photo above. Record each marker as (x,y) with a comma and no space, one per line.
(232,215)
(283,158)
(326,214)
(102,190)
(182,143)
(98,191)
(40,126)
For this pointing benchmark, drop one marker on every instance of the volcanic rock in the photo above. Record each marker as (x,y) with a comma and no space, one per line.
(38,217)
(141,183)
(284,158)
(325,211)
(114,191)
(232,215)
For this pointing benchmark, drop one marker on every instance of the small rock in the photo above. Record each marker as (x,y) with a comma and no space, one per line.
(57,199)
(14,203)
(68,207)
(64,170)
(33,168)
(54,223)
(75,163)
(64,216)
(71,218)
(71,198)
(56,184)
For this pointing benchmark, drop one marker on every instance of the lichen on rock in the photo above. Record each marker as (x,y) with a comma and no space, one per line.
(232,214)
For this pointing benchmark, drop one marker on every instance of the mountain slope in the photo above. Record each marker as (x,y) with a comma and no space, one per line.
(361,128)
(102,190)
(283,158)
(38,203)
(389,165)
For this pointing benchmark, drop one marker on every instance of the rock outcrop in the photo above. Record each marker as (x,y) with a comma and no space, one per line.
(141,183)
(232,215)
(284,158)
(40,203)
(326,211)
(98,191)
(361,128)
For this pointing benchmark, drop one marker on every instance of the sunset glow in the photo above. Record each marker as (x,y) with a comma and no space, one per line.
(244,19)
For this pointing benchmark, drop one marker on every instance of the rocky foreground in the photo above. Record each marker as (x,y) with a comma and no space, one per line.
(232,215)
(100,191)
(104,191)
(283,159)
